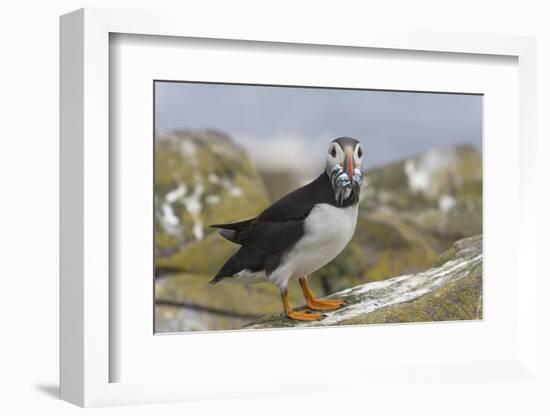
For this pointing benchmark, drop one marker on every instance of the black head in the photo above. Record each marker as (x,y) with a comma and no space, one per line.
(344,142)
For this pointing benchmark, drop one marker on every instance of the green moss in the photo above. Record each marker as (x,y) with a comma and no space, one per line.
(205,257)
(448,255)
(163,239)
(378,234)
(410,252)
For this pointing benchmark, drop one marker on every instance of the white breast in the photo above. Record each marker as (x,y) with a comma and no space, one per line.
(328,230)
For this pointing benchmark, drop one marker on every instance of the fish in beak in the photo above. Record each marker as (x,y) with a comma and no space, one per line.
(343,167)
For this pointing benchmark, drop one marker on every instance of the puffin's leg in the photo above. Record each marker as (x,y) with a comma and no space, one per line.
(298,315)
(318,304)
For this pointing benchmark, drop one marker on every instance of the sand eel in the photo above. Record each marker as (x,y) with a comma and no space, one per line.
(301,232)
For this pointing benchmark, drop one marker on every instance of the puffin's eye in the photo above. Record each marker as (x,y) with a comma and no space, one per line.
(360,152)
(333,151)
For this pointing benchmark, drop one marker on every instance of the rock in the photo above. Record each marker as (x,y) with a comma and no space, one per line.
(440,192)
(450,290)
(427,180)
(186,302)
(201,178)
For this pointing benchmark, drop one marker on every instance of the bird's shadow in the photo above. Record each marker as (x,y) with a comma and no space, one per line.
(51,390)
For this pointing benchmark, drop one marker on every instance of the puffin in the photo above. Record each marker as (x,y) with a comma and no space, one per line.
(301,232)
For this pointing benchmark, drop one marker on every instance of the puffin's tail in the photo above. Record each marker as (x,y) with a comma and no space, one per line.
(216,279)
(228,269)
(246,258)
(237,226)
(230,231)
(225,271)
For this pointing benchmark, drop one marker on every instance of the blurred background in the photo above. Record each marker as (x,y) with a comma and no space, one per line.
(224,152)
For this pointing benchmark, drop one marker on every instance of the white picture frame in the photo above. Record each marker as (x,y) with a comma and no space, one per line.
(86,305)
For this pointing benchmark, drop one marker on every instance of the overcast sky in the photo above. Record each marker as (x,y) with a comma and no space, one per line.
(274,122)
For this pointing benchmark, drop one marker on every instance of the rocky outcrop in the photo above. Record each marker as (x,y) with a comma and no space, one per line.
(201,178)
(451,290)
(440,191)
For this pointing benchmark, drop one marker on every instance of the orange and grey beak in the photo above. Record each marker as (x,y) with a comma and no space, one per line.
(348,162)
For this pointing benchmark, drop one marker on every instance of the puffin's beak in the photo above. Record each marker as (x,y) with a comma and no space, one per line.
(348,162)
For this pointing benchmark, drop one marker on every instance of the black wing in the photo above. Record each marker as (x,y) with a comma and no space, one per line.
(272,231)
(279,226)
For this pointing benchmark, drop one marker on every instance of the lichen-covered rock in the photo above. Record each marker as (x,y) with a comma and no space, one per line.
(435,179)
(201,178)
(451,290)
(439,191)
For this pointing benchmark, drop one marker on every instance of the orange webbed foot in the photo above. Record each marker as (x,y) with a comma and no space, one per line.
(305,315)
(325,304)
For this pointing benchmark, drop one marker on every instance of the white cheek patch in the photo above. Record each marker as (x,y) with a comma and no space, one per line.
(339,153)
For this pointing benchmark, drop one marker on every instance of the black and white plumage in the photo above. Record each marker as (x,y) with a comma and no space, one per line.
(304,230)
